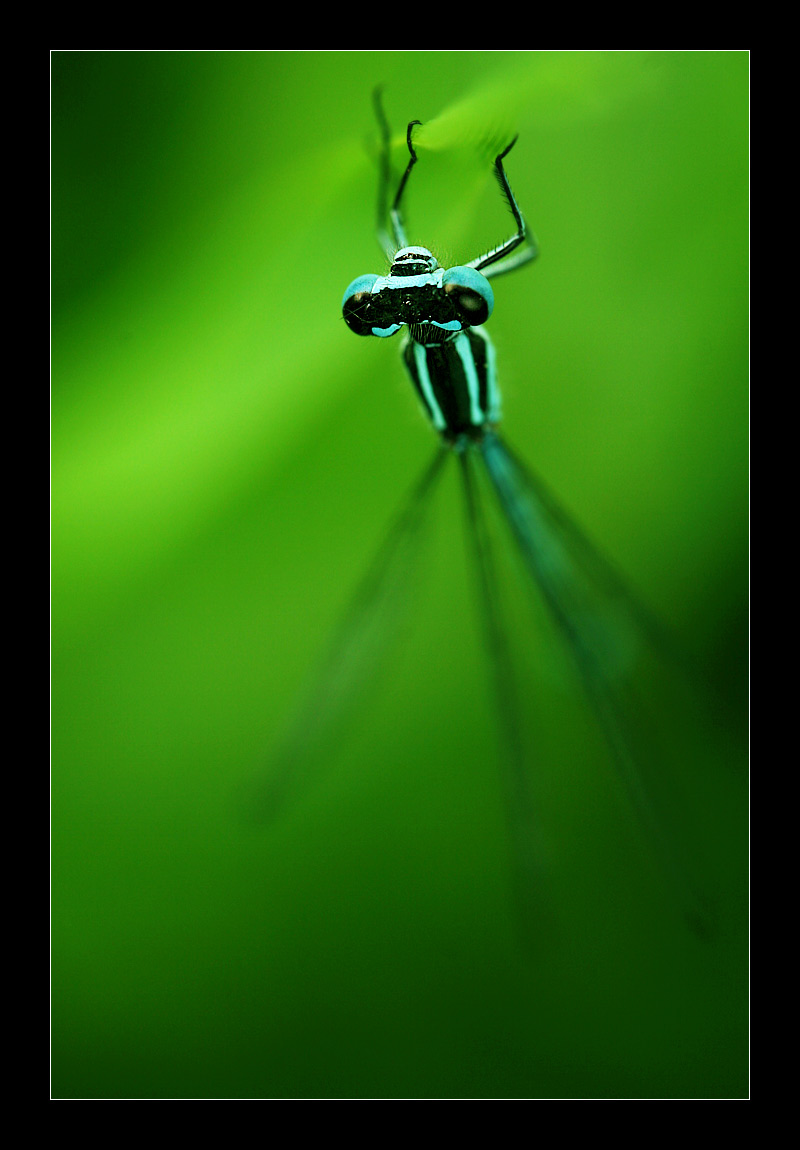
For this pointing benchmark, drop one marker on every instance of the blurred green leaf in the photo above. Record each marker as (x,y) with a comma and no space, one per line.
(225,459)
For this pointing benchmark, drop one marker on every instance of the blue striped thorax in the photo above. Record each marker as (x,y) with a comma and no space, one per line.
(449,358)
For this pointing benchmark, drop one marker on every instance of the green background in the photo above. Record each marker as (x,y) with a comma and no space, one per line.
(225,459)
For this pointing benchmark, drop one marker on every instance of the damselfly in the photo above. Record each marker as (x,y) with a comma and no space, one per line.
(451,362)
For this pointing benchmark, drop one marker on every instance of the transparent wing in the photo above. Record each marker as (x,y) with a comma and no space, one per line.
(637,683)
(528,856)
(359,649)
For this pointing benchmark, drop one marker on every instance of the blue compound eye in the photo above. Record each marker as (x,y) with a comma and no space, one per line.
(471,293)
(356,305)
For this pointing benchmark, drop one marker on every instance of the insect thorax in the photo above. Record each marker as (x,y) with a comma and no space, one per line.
(456,381)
